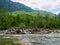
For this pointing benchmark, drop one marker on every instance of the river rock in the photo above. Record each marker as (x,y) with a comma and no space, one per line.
(26,41)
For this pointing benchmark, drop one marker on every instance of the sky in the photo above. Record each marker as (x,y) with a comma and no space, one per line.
(46,5)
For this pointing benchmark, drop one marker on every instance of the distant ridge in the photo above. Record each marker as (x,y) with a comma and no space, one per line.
(13,6)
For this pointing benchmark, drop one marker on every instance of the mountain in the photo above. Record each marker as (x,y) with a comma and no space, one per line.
(3,5)
(8,5)
(59,14)
(13,6)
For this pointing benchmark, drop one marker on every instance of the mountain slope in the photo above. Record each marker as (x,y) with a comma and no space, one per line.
(14,6)
(59,14)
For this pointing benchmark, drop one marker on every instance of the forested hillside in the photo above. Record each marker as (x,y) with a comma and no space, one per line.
(25,20)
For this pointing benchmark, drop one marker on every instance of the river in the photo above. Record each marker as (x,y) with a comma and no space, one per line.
(39,39)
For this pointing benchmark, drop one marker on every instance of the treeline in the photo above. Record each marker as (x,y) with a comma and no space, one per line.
(29,20)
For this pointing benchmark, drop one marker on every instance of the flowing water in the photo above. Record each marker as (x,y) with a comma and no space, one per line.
(40,39)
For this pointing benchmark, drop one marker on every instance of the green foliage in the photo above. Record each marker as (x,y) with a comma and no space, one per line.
(22,25)
(24,19)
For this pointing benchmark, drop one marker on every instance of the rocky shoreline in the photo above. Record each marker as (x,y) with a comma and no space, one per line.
(17,30)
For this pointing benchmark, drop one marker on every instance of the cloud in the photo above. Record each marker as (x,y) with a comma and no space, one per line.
(47,5)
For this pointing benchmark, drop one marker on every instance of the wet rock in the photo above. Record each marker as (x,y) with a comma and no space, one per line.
(26,42)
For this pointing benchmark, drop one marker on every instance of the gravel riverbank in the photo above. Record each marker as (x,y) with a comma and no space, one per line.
(29,31)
